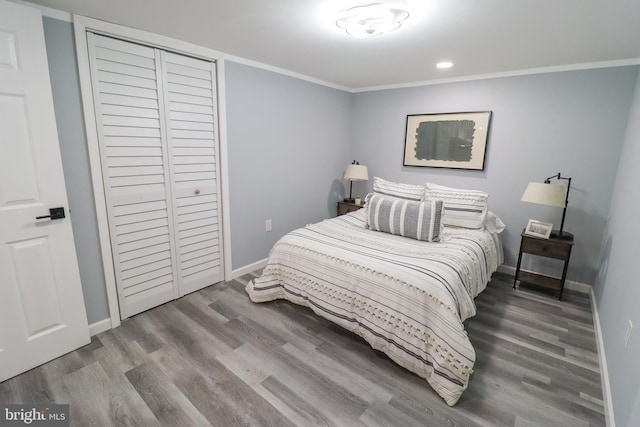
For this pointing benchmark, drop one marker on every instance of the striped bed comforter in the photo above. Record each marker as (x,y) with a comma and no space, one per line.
(406,298)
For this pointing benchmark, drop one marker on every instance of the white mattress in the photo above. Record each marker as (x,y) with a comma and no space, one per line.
(405,297)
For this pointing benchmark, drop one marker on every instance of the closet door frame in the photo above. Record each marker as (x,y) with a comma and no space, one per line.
(82,25)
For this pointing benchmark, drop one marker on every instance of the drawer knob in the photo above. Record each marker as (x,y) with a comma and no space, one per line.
(197,191)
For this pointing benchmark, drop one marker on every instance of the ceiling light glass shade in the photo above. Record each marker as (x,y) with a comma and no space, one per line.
(371,20)
(356,173)
(545,194)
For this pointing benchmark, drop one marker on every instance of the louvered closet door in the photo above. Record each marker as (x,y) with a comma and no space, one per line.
(128,103)
(189,87)
(156,127)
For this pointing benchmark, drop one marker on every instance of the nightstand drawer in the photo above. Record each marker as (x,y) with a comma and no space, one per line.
(546,248)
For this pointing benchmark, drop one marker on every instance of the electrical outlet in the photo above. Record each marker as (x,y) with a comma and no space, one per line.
(268,226)
(627,335)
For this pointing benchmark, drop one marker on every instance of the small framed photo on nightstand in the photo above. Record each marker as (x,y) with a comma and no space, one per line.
(538,229)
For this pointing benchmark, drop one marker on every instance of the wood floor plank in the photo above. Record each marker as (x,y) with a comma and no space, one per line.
(201,388)
(215,358)
(185,334)
(299,410)
(163,398)
(428,413)
(126,353)
(202,319)
(107,398)
(364,387)
(220,396)
(135,331)
(34,387)
(245,364)
(382,414)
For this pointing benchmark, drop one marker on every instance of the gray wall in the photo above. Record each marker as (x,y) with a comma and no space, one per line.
(617,289)
(65,85)
(288,143)
(542,124)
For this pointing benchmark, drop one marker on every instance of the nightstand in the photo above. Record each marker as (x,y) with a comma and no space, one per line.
(549,248)
(346,207)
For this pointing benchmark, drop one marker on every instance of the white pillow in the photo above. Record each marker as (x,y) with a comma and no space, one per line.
(462,208)
(396,189)
(493,223)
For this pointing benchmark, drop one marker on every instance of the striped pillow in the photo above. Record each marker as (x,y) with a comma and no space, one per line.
(462,208)
(396,189)
(416,220)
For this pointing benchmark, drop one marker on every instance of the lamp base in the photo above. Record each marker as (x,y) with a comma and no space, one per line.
(561,235)
(350,200)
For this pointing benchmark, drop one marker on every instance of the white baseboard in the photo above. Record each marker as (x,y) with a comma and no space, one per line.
(604,372)
(100,326)
(584,288)
(248,269)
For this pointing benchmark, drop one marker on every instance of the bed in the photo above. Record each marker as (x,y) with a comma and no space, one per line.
(406,297)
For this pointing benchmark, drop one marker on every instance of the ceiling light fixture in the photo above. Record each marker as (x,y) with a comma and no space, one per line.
(372,20)
(444,64)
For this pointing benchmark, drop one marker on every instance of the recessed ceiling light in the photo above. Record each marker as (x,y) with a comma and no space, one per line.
(371,20)
(444,64)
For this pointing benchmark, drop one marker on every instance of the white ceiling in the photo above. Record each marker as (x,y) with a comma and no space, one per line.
(488,37)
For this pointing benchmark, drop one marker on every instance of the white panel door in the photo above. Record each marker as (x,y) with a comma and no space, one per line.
(42,313)
(190,105)
(127,100)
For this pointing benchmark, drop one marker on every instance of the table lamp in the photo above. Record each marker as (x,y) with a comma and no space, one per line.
(551,195)
(355,172)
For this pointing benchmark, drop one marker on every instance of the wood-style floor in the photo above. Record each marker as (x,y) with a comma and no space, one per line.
(215,358)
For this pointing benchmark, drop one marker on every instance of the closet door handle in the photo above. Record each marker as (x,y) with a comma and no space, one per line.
(54,213)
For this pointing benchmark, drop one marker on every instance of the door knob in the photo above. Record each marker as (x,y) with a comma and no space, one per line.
(54,213)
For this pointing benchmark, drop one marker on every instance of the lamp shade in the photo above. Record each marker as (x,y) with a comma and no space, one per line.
(545,194)
(356,173)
